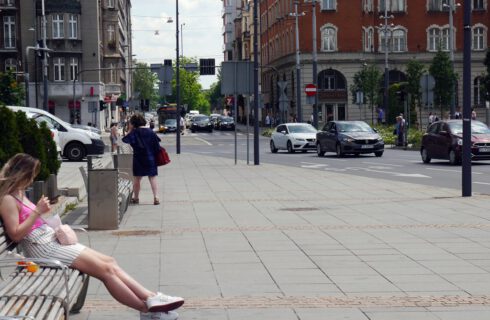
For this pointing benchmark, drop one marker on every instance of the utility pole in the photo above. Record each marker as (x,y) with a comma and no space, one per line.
(298,66)
(177,79)
(452,8)
(386,28)
(466,163)
(256,84)
(314,57)
(45,59)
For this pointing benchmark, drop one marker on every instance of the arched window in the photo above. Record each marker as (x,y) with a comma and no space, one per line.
(330,80)
(368,39)
(399,40)
(433,38)
(329,38)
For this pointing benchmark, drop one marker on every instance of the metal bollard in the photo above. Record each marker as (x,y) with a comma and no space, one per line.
(52,186)
(38,189)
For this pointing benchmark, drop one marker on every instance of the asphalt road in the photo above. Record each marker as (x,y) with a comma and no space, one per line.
(394,164)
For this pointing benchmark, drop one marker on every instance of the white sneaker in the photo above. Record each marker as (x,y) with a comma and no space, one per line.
(163,303)
(171,315)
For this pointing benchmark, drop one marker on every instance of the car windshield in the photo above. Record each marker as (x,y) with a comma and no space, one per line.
(477,127)
(357,126)
(226,119)
(200,118)
(170,122)
(302,128)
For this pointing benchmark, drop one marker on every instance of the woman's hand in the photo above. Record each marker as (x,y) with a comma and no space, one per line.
(43,205)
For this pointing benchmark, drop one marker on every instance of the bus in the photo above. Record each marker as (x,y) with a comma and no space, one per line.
(167,111)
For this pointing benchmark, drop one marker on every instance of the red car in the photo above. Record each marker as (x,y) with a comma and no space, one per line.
(444,140)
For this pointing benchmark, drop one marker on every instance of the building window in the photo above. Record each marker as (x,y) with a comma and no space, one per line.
(445,39)
(479,91)
(329,4)
(58,27)
(437,5)
(368,39)
(434,38)
(73,69)
(399,40)
(478,5)
(59,69)
(73,26)
(111,35)
(9,32)
(384,40)
(368,5)
(479,36)
(110,3)
(7,3)
(112,73)
(393,5)
(11,65)
(329,38)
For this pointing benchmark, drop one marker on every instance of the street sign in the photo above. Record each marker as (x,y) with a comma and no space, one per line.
(427,84)
(310,89)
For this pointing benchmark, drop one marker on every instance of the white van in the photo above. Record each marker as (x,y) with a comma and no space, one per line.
(75,143)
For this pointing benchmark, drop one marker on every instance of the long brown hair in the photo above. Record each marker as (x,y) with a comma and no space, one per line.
(18,173)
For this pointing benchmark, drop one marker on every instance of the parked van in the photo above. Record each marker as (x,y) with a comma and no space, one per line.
(75,143)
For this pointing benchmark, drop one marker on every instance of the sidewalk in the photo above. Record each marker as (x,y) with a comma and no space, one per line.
(281,243)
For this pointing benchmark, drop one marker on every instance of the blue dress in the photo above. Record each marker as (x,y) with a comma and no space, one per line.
(145,144)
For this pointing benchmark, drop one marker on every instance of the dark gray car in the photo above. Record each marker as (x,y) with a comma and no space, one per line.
(348,137)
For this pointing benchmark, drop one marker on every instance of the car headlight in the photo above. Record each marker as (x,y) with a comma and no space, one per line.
(460,142)
(299,139)
(348,139)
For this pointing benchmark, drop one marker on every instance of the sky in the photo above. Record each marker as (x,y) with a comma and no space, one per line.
(155,40)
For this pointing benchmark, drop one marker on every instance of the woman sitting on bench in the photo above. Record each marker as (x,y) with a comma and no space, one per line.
(24,224)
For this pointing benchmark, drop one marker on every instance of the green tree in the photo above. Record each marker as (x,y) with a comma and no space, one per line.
(367,80)
(145,83)
(191,92)
(442,71)
(486,62)
(11,93)
(214,95)
(52,162)
(415,70)
(9,135)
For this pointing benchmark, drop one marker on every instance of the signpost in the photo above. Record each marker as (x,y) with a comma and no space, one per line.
(310,91)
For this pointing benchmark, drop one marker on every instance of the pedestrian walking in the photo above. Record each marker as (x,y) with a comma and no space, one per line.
(24,224)
(380,115)
(400,131)
(182,125)
(267,121)
(145,144)
(473,114)
(114,136)
(431,118)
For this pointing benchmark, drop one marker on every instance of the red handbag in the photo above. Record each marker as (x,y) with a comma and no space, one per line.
(162,157)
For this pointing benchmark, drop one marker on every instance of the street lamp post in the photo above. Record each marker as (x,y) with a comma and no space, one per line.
(452,8)
(386,28)
(296,15)
(45,59)
(177,78)
(314,58)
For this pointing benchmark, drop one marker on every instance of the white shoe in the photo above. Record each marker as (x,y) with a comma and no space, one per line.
(163,303)
(171,315)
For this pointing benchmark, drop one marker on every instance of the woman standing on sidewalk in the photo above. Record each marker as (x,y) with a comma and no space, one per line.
(145,144)
(24,225)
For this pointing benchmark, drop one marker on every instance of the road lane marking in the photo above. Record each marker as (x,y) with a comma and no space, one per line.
(449,170)
(485,183)
(383,164)
(311,165)
(202,140)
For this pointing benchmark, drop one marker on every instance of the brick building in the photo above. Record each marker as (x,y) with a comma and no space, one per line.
(351,34)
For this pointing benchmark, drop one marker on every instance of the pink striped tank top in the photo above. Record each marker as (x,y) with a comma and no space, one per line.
(25,211)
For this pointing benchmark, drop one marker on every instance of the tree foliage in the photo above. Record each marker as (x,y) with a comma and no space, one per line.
(368,80)
(11,93)
(9,135)
(442,71)
(415,71)
(214,95)
(145,82)
(486,62)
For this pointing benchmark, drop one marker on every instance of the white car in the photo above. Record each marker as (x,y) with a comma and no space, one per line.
(293,137)
(75,143)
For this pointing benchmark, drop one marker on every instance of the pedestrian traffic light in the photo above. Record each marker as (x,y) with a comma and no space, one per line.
(206,67)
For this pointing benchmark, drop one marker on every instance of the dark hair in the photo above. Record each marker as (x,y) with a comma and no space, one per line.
(137,120)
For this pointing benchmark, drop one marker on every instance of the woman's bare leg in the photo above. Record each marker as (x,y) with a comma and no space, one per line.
(154,186)
(107,271)
(136,187)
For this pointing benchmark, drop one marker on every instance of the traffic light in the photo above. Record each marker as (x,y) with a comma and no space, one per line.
(206,67)
(102,105)
(167,62)
(40,45)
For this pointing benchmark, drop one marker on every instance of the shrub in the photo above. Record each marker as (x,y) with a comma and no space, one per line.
(52,162)
(267,132)
(386,132)
(9,135)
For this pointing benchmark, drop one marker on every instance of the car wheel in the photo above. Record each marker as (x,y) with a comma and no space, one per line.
(425,155)
(210,130)
(338,150)
(75,151)
(290,147)
(319,150)
(453,158)
(273,147)
(378,154)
